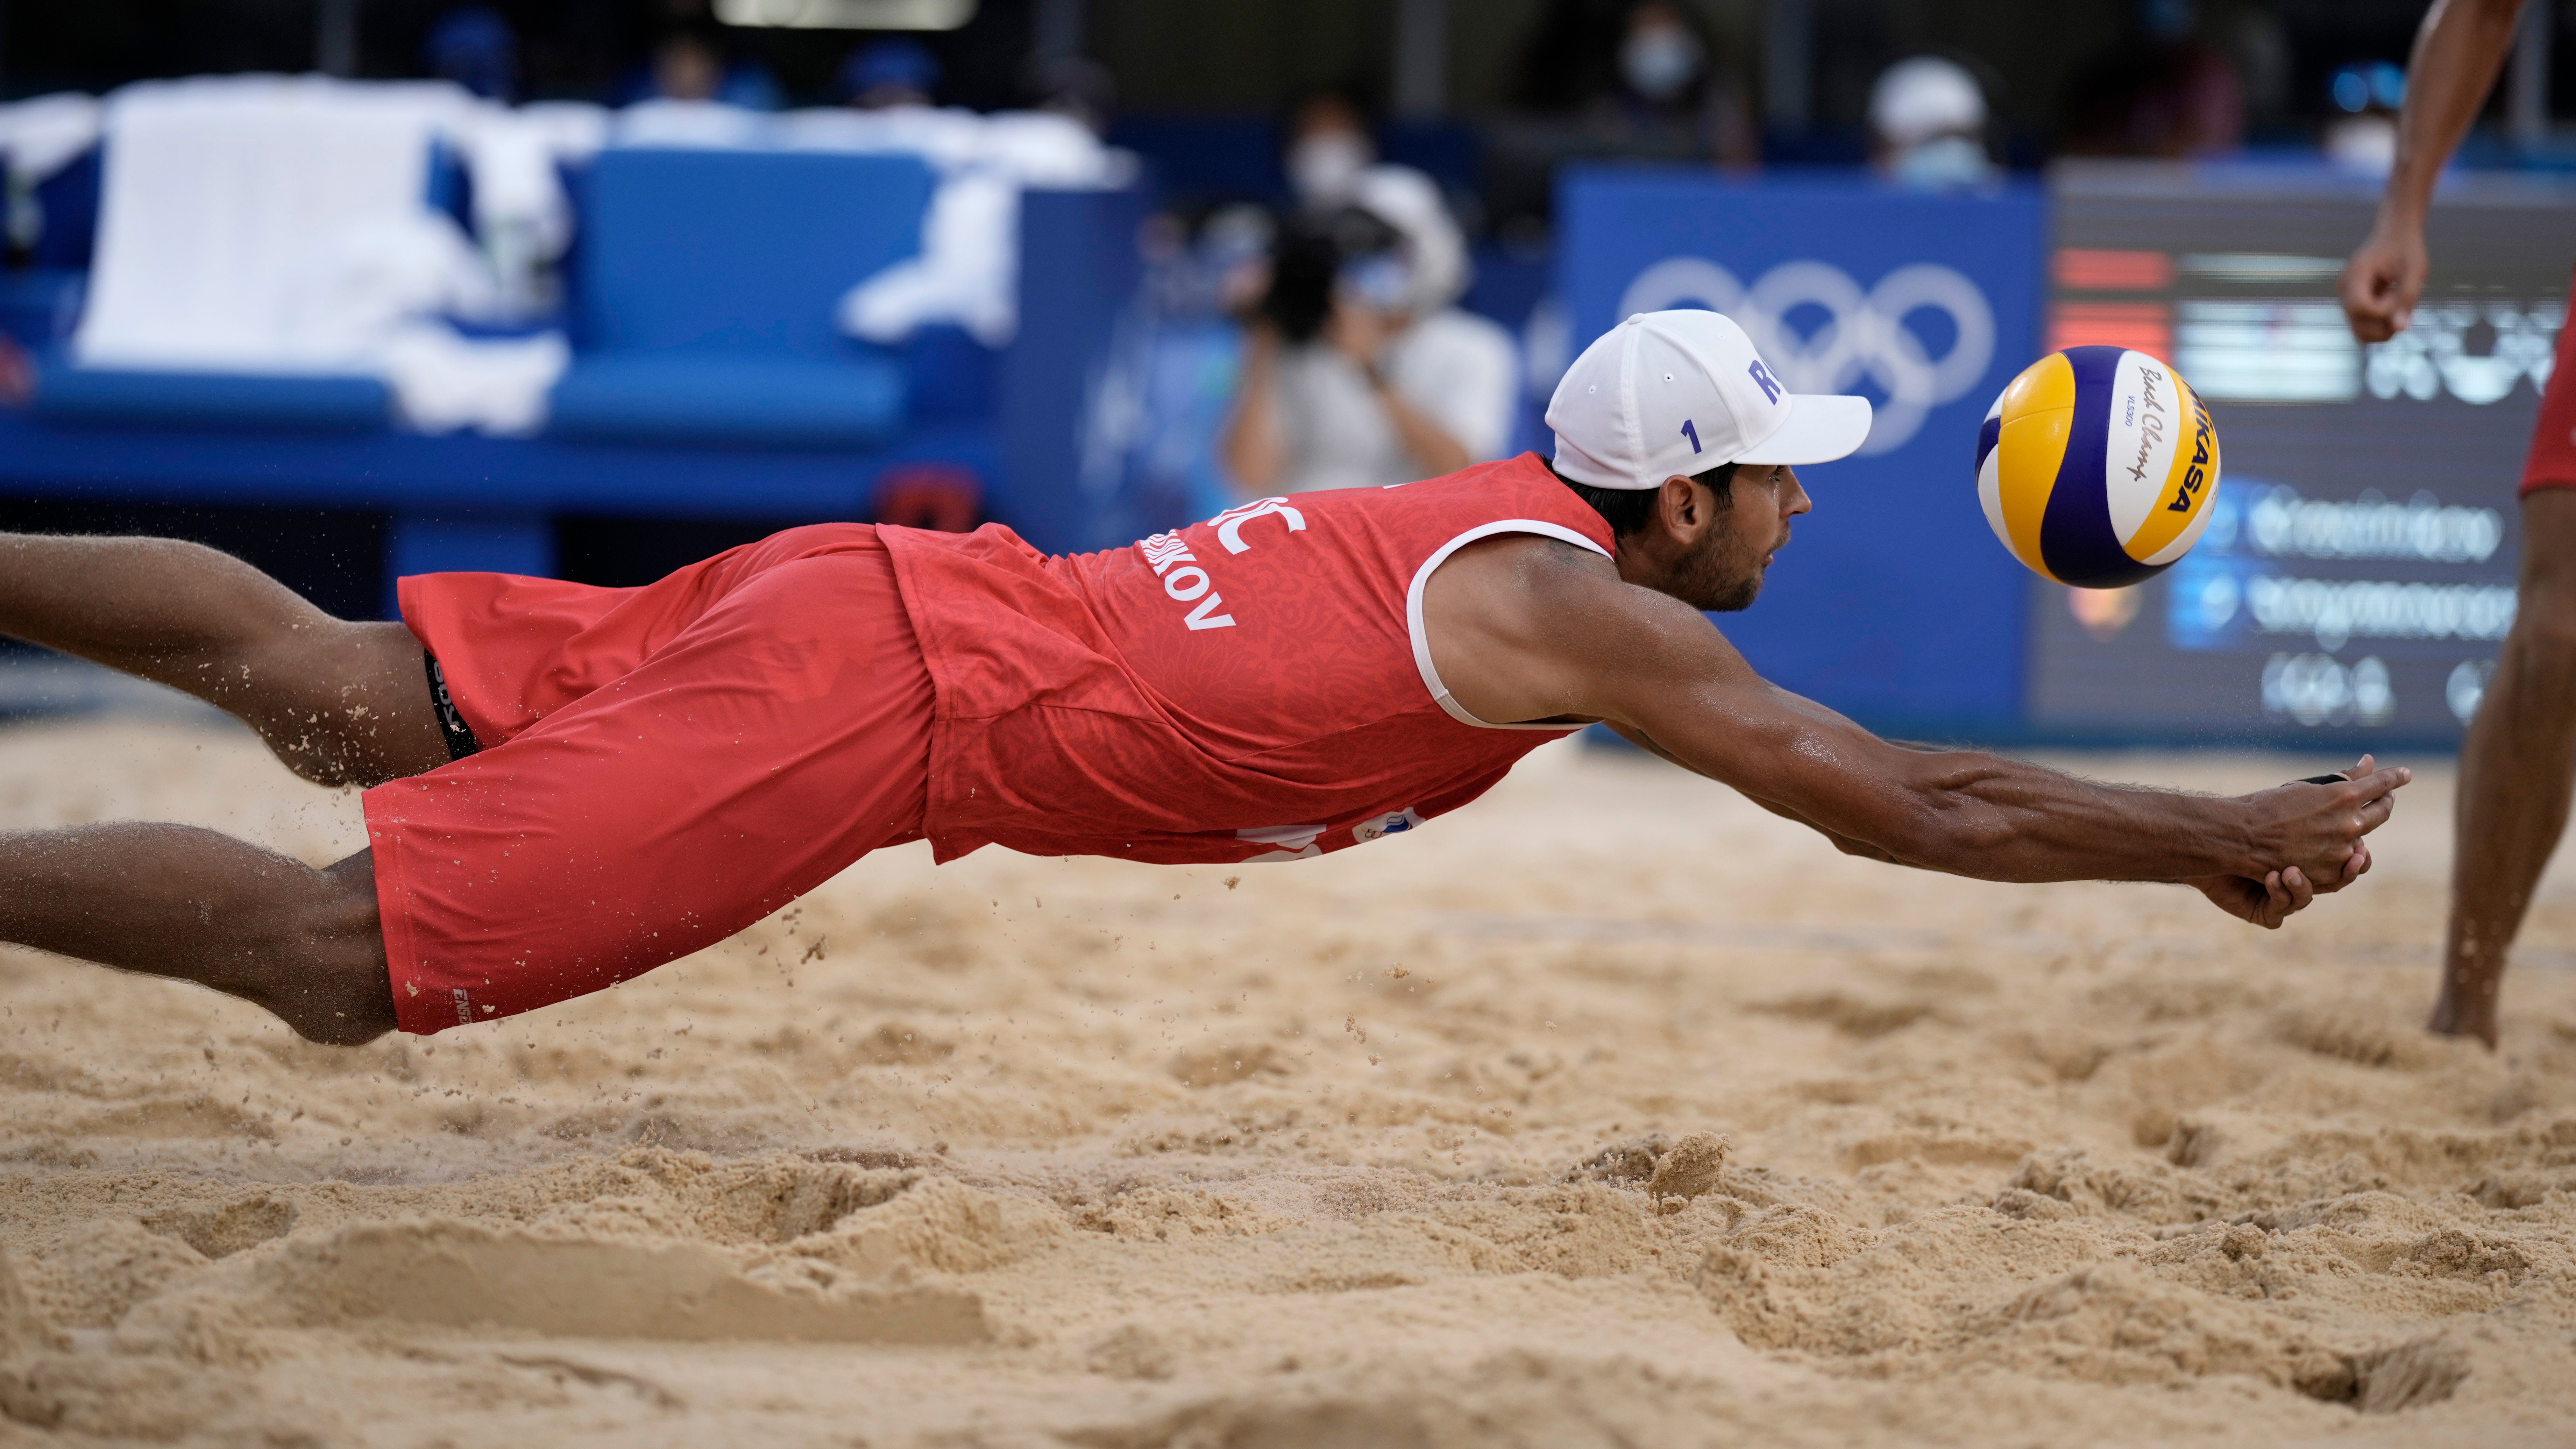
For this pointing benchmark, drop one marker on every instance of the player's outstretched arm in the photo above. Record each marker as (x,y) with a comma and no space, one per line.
(2458,51)
(1655,669)
(2266,902)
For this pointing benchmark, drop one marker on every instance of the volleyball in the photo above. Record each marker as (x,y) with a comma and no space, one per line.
(2097,467)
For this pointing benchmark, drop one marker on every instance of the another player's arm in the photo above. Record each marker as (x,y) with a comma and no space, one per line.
(2458,50)
(1657,670)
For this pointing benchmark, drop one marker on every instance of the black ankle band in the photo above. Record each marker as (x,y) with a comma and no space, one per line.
(460,740)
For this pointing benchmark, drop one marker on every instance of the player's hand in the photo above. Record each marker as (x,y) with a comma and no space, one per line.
(2318,829)
(2357,867)
(2383,279)
(2268,902)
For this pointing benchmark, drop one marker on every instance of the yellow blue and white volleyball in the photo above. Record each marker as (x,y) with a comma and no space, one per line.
(2098,466)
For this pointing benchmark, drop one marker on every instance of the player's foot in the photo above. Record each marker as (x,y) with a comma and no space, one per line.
(2450,1018)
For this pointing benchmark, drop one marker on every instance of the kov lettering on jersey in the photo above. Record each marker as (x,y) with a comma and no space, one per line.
(1183,579)
(1169,556)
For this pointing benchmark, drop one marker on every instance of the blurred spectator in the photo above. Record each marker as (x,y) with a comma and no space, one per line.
(1613,79)
(1927,124)
(1332,164)
(1659,58)
(1359,370)
(2160,90)
(887,74)
(2363,134)
(1642,79)
(475,48)
(1666,84)
(1328,148)
(686,68)
(690,65)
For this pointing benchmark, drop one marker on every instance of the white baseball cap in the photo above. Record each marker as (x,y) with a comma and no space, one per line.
(1683,392)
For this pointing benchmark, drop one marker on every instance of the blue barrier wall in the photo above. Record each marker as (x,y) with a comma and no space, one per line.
(1893,604)
(1079,271)
(686,273)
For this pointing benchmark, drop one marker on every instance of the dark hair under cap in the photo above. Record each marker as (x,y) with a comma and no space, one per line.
(1628,509)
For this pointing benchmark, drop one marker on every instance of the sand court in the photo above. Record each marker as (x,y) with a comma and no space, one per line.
(1611,1110)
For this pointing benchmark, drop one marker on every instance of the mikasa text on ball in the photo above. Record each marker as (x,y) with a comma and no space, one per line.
(2097,466)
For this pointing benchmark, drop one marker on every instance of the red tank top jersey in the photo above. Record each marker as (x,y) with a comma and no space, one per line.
(1256,687)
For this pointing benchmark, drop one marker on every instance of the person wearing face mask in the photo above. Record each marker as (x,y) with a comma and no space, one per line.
(1660,59)
(1670,96)
(1927,122)
(1614,78)
(1359,369)
(1328,148)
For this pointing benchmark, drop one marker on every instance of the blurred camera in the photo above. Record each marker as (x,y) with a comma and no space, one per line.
(1343,251)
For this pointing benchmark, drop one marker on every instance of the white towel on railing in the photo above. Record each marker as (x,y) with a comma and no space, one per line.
(281,225)
(442,382)
(265,223)
(520,210)
(968,272)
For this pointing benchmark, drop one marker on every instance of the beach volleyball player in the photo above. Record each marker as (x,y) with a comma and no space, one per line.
(579,784)
(2518,765)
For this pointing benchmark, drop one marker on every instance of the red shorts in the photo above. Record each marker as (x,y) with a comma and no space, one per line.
(661,767)
(2553,438)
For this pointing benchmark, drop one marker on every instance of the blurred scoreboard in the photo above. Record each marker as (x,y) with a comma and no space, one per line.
(2358,574)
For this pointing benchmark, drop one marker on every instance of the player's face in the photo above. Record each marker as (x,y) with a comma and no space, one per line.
(1723,572)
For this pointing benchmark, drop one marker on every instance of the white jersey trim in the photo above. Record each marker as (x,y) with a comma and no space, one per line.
(1422,640)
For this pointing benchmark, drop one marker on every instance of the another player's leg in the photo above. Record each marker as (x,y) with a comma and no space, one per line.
(341,703)
(176,901)
(2517,772)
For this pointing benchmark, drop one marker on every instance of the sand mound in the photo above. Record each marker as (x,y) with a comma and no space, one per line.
(106,1267)
(463,1275)
(1616,1113)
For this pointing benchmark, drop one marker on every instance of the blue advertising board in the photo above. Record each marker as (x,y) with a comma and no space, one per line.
(1893,603)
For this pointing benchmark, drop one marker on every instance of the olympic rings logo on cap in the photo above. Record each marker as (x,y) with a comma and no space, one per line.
(1866,335)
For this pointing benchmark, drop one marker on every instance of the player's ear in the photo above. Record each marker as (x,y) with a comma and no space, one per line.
(1683,515)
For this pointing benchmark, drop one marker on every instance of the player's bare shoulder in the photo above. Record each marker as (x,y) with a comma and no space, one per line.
(1513,582)
(1517,624)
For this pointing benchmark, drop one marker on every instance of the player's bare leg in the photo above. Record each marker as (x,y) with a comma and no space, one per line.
(176,901)
(341,703)
(2517,772)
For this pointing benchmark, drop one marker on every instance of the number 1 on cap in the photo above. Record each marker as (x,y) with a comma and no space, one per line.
(1691,433)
